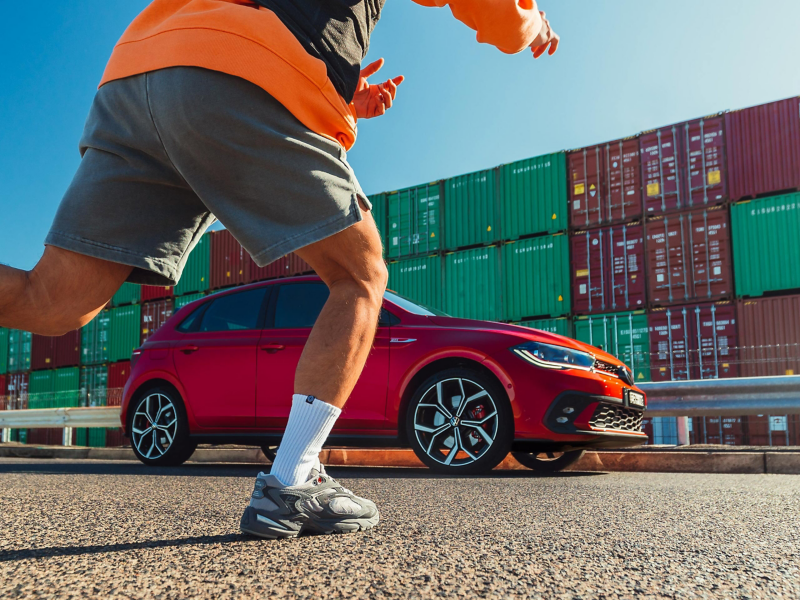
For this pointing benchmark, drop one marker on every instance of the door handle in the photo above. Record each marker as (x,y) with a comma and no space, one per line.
(189,349)
(271,348)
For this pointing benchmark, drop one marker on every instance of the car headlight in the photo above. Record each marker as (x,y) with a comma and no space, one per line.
(550,356)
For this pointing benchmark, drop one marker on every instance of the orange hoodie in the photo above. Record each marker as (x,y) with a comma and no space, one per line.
(241,38)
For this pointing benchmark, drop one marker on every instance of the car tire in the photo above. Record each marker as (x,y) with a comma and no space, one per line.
(483,427)
(168,444)
(551,462)
(269,451)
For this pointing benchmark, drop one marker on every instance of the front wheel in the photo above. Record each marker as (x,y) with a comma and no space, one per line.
(459,422)
(548,462)
(159,429)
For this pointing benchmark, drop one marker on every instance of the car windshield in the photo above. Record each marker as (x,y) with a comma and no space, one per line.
(413,307)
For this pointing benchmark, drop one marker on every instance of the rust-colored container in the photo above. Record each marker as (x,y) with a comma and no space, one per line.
(727,431)
(118,374)
(698,341)
(764,430)
(689,257)
(55,352)
(605,184)
(285,266)
(608,269)
(155,292)
(764,149)
(684,166)
(230,263)
(154,315)
(769,336)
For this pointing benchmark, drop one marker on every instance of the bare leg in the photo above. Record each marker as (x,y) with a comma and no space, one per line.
(351,264)
(63,292)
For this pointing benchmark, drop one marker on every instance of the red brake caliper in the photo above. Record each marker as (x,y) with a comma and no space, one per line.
(476,414)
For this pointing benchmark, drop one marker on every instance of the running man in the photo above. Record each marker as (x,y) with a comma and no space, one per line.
(243,111)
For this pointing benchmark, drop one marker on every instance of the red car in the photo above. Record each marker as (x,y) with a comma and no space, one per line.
(461,393)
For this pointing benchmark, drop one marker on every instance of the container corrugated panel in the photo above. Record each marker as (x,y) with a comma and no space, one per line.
(95,338)
(182,301)
(124,332)
(297,266)
(698,341)
(418,279)
(118,374)
(55,388)
(128,293)
(68,349)
(229,261)
(471,211)
(93,386)
(766,252)
(17,386)
(684,166)
(472,284)
(379,213)
(3,350)
(772,430)
(196,273)
(689,257)
(608,266)
(533,196)
(275,269)
(413,223)
(711,430)
(561,326)
(43,351)
(155,292)
(154,315)
(19,351)
(605,184)
(536,278)
(624,335)
(769,336)
(764,149)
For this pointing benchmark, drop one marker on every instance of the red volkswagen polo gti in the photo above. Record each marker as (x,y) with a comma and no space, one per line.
(461,393)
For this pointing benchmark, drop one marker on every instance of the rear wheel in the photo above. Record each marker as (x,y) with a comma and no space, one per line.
(269,451)
(459,422)
(159,428)
(548,462)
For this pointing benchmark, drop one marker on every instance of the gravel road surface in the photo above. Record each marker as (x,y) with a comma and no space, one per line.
(71,529)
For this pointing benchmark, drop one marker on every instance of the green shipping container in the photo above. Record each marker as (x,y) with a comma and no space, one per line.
(124,332)
(19,351)
(413,225)
(93,386)
(536,278)
(94,340)
(3,350)
(533,196)
(182,301)
(54,388)
(472,284)
(766,252)
(418,279)
(379,213)
(560,326)
(625,335)
(128,293)
(195,274)
(471,211)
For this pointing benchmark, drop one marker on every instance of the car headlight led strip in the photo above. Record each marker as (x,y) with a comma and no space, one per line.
(550,356)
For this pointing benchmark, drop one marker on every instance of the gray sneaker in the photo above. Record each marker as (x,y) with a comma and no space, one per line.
(320,505)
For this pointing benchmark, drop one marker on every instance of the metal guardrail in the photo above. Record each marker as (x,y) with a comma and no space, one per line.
(57,418)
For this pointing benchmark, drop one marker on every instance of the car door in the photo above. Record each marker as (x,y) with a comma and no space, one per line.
(216,359)
(294,309)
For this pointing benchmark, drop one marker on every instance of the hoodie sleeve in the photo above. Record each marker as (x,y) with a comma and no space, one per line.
(509,25)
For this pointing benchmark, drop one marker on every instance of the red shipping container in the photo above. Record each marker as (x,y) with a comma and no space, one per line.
(297,266)
(608,269)
(707,430)
(689,257)
(684,166)
(68,350)
(155,292)
(154,315)
(605,184)
(769,336)
(43,352)
(3,399)
(17,390)
(118,374)
(55,352)
(699,341)
(764,149)
(230,262)
(286,266)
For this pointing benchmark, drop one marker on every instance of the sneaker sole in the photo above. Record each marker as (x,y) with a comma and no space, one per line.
(252,525)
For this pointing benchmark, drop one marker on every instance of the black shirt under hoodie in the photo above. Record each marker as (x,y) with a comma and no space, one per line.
(335,31)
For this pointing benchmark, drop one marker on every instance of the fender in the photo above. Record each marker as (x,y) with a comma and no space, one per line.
(149,375)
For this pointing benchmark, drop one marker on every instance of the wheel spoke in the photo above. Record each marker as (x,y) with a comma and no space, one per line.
(550,455)
(160,405)
(438,432)
(464,447)
(486,437)
(481,422)
(463,402)
(440,400)
(454,450)
(419,427)
(141,431)
(169,437)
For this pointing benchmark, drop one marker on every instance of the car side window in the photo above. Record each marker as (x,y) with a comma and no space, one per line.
(234,312)
(299,304)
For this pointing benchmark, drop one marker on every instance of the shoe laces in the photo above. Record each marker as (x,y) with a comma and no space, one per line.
(324,473)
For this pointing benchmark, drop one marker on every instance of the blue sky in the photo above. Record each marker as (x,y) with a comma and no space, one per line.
(624,66)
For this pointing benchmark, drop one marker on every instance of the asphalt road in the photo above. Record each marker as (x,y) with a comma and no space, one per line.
(108,530)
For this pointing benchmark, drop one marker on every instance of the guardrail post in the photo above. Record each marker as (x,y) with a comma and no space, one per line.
(683,431)
(6,435)
(68,436)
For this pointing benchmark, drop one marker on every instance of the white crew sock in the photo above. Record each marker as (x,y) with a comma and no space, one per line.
(310,422)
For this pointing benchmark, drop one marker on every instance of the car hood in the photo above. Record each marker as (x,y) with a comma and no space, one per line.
(524,333)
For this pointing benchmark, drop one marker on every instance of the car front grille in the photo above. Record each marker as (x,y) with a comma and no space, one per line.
(608,416)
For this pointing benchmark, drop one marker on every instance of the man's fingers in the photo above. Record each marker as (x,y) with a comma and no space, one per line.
(398,80)
(372,68)
(554,44)
(539,50)
(391,87)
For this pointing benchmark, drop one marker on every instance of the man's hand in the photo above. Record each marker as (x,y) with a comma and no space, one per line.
(547,37)
(374,100)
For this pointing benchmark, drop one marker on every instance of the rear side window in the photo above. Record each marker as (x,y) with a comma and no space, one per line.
(235,312)
(299,304)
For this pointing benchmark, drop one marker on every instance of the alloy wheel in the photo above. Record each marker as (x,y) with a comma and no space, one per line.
(154,426)
(456,422)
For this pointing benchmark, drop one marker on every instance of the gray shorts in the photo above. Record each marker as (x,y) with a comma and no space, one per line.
(168,152)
